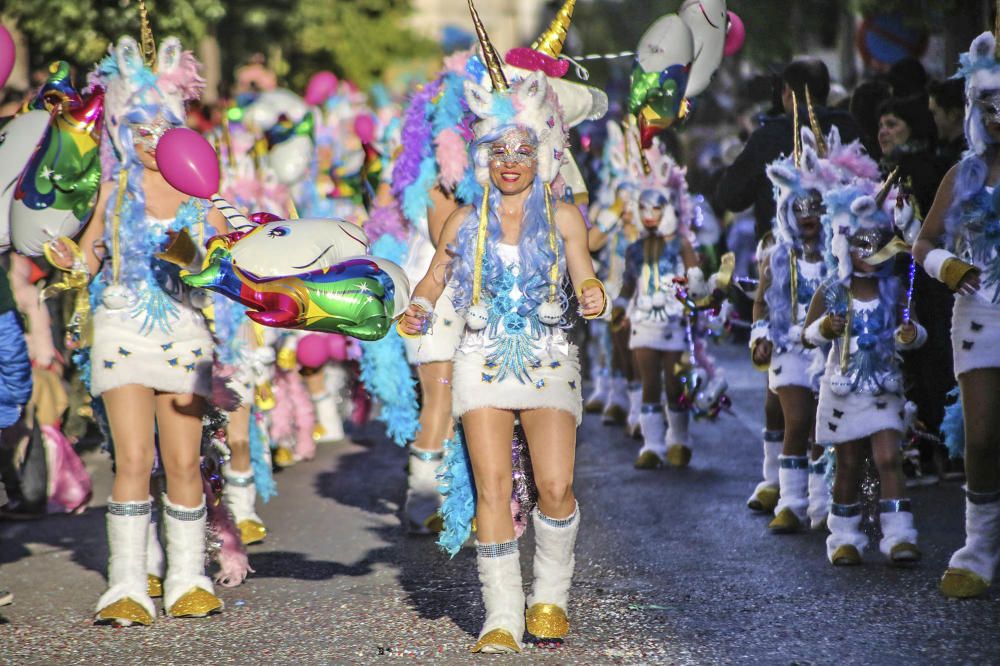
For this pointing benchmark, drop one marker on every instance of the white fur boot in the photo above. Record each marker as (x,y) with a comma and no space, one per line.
(899,537)
(846,542)
(971,568)
(793,480)
(328,418)
(555,540)
(616,407)
(819,495)
(594,404)
(765,495)
(654,448)
(500,577)
(632,426)
(187,591)
(156,564)
(126,601)
(423,499)
(678,441)
(240,496)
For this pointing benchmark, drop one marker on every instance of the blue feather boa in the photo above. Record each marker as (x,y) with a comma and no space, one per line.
(459,506)
(259,461)
(953,425)
(384,369)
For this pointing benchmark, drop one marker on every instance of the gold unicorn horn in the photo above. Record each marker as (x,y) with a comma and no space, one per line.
(492,60)
(551,41)
(883,192)
(814,124)
(146,36)
(996,32)
(796,137)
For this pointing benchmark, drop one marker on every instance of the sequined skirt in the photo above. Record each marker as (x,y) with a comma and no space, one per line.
(554,384)
(176,362)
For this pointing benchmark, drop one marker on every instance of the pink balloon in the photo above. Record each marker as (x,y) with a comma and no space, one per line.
(735,35)
(7,54)
(313,350)
(188,162)
(321,85)
(364,127)
(316,349)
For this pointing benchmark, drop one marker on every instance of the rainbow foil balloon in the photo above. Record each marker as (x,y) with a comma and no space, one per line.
(309,274)
(58,188)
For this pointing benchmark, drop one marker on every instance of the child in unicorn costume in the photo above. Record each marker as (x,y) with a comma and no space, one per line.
(861,311)
(153,349)
(615,215)
(965,219)
(659,335)
(514,359)
(793,269)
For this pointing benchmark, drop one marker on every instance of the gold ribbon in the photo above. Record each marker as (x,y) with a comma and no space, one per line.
(845,346)
(553,244)
(477,268)
(888,251)
(75,279)
(793,279)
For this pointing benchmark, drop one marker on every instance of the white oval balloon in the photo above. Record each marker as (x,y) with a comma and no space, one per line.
(268,107)
(293,247)
(289,160)
(707,20)
(18,140)
(667,42)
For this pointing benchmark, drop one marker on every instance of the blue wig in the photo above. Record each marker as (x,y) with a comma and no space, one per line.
(534,252)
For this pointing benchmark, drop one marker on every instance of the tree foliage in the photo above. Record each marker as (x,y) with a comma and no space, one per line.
(359,39)
(80,31)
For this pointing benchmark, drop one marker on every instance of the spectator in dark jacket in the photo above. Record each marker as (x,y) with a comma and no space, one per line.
(865,102)
(907,134)
(744,183)
(947,105)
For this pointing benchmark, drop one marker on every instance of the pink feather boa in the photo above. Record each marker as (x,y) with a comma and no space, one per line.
(293,414)
(234,565)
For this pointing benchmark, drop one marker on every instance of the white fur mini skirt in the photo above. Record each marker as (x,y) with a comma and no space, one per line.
(659,335)
(176,362)
(442,340)
(975,334)
(795,367)
(854,416)
(555,384)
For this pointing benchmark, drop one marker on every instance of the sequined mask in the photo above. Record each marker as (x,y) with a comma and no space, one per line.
(515,146)
(808,205)
(148,135)
(867,242)
(988,102)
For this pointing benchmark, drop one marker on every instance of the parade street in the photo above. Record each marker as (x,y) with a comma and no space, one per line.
(671,568)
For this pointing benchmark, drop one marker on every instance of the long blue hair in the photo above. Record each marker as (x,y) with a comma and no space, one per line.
(535,255)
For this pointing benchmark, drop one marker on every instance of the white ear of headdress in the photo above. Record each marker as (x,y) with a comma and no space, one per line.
(479,99)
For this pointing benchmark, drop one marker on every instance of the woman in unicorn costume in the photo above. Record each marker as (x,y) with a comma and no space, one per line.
(151,361)
(648,298)
(615,216)
(965,219)
(514,249)
(862,310)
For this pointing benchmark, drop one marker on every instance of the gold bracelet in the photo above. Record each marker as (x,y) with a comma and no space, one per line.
(954,270)
(826,328)
(591,282)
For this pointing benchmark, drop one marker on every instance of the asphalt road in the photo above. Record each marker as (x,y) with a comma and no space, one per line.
(671,568)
